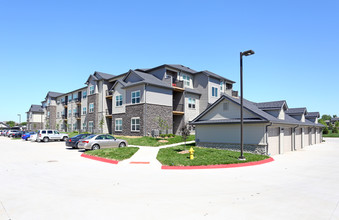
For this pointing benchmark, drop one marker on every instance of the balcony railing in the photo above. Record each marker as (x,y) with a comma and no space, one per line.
(77,100)
(64,103)
(109,93)
(178,107)
(178,83)
(77,115)
(64,116)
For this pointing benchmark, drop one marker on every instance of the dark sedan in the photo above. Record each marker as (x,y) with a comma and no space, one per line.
(73,141)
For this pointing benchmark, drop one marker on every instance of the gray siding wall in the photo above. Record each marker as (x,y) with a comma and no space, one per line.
(158,96)
(132,77)
(159,73)
(201,85)
(132,89)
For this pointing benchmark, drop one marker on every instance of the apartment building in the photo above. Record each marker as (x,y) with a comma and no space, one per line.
(35,117)
(138,102)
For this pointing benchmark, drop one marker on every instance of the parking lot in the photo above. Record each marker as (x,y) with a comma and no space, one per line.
(49,181)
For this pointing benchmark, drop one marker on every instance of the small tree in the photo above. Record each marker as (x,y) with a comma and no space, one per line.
(163,124)
(11,123)
(336,124)
(334,116)
(34,126)
(325,131)
(101,124)
(335,130)
(330,126)
(185,132)
(326,117)
(321,121)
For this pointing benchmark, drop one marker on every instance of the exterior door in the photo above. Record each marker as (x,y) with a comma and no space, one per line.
(273,140)
(287,140)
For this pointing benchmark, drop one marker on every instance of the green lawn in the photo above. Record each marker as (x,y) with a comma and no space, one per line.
(122,153)
(330,134)
(203,156)
(154,142)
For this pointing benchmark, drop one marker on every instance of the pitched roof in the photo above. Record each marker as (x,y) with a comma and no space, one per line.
(36,108)
(263,117)
(53,94)
(271,105)
(146,78)
(312,115)
(296,111)
(209,73)
(334,119)
(104,76)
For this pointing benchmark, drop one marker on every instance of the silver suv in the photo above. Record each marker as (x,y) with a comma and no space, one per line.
(50,135)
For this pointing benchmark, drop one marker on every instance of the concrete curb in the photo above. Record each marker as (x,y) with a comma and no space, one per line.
(218,166)
(100,159)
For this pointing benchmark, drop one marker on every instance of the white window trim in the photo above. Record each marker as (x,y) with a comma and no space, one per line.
(136,97)
(90,109)
(90,122)
(92,86)
(122,100)
(216,93)
(191,101)
(84,111)
(132,124)
(115,127)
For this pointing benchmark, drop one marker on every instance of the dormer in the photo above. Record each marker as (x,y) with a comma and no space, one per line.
(297,113)
(276,108)
(313,117)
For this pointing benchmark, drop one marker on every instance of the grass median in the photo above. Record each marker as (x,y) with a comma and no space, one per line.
(119,154)
(175,156)
(154,142)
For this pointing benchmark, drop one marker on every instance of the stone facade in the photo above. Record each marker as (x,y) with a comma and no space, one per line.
(32,126)
(52,116)
(94,115)
(131,111)
(156,112)
(249,148)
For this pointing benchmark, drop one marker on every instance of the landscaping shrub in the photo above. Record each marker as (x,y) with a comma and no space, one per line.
(335,130)
(325,131)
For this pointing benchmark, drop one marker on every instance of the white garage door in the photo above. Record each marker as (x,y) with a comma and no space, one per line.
(273,140)
(298,138)
(287,140)
(318,135)
(306,137)
(315,136)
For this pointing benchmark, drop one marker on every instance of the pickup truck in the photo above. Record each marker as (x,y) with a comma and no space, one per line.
(50,135)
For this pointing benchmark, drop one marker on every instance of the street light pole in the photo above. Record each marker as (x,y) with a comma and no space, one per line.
(19,118)
(245,53)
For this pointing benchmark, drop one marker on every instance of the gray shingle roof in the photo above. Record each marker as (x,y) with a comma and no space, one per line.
(209,73)
(334,119)
(182,67)
(271,105)
(147,78)
(54,94)
(36,108)
(194,91)
(312,115)
(252,107)
(104,76)
(296,111)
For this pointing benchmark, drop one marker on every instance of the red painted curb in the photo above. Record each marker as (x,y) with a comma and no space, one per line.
(100,159)
(217,166)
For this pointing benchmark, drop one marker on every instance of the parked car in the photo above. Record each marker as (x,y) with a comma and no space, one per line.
(27,135)
(98,141)
(18,134)
(51,135)
(33,137)
(10,132)
(73,141)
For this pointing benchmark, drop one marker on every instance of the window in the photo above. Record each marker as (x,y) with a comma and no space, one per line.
(136,97)
(91,90)
(91,107)
(109,137)
(84,126)
(70,97)
(69,112)
(84,110)
(74,111)
(118,124)
(84,94)
(74,127)
(118,100)
(191,103)
(48,113)
(56,132)
(186,80)
(100,137)
(90,126)
(62,126)
(214,91)
(49,132)
(62,100)
(135,124)
(75,97)
(58,114)
(221,85)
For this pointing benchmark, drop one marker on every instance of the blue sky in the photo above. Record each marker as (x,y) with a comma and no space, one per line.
(55,45)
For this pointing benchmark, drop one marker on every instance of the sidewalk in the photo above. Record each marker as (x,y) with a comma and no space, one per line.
(146,156)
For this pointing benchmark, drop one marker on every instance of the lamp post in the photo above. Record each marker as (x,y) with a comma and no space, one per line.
(19,118)
(245,53)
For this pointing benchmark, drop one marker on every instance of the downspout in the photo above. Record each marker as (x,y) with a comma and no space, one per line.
(294,149)
(271,123)
(145,110)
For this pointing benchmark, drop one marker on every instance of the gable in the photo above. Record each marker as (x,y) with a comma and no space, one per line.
(231,111)
(132,77)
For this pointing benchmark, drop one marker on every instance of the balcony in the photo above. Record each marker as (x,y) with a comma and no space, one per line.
(64,117)
(178,85)
(64,103)
(178,109)
(77,116)
(108,113)
(77,101)
(109,94)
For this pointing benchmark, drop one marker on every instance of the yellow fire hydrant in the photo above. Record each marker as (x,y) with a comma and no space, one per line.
(191,153)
